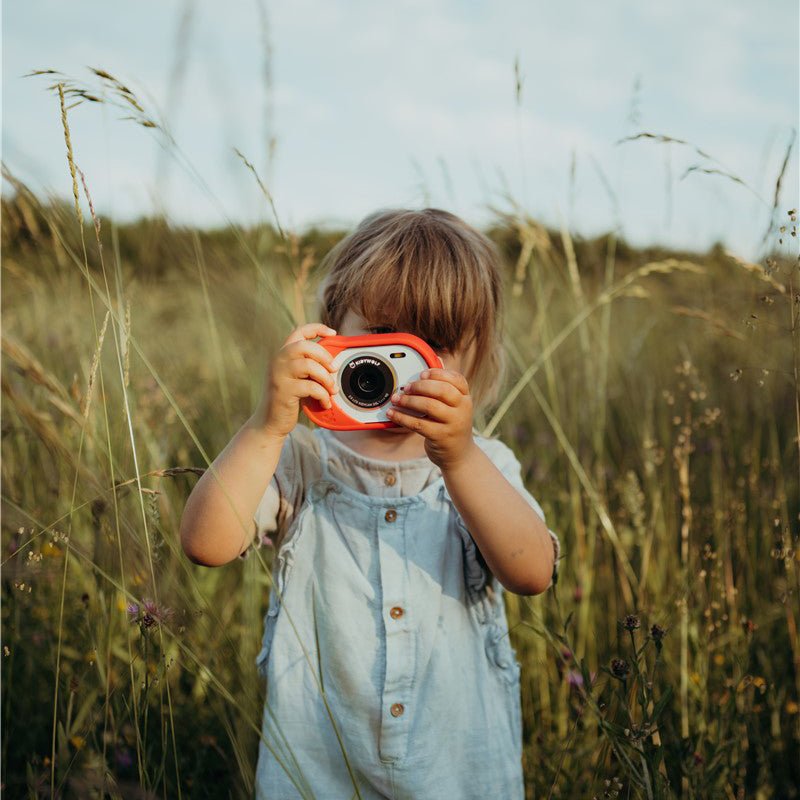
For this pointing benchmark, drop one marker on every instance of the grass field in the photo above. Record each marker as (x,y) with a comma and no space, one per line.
(652,400)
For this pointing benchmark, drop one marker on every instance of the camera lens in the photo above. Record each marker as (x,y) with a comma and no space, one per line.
(367,381)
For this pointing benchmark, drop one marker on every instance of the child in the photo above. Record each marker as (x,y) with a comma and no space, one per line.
(385,648)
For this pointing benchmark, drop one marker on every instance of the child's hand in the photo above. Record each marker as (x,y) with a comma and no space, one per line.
(302,368)
(443,396)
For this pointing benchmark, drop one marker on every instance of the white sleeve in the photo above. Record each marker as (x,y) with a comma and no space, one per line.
(266,516)
(283,497)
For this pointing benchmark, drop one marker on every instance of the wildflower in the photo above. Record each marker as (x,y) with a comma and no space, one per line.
(123,758)
(148,614)
(574,679)
(159,613)
(620,668)
(631,622)
(657,633)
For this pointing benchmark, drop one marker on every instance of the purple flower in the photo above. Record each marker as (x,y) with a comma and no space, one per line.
(620,668)
(657,633)
(574,678)
(149,613)
(123,758)
(631,622)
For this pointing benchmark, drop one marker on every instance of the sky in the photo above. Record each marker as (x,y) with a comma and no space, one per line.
(465,105)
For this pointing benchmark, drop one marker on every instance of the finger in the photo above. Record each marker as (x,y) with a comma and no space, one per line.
(308,368)
(425,427)
(309,331)
(307,388)
(431,407)
(442,390)
(313,350)
(448,375)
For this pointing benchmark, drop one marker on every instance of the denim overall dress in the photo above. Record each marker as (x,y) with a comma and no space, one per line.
(388,667)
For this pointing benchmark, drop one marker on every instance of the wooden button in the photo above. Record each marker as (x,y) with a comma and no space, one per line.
(390,515)
(397,709)
(390,479)
(396,612)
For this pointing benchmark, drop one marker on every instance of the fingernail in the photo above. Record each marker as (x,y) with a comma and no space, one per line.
(425,374)
(390,412)
(395,397)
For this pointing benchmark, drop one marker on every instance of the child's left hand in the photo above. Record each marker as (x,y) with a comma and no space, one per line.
(443,396)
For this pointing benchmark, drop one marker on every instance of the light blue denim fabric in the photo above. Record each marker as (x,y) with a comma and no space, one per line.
(444,666)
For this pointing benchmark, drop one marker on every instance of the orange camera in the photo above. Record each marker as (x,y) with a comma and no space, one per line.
(369,370)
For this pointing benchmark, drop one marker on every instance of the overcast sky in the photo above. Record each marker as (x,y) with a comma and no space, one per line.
(376,104)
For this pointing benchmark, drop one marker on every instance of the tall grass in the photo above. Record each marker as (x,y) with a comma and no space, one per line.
(653,403)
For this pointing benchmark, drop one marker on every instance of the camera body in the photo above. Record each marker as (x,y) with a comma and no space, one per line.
(370,369)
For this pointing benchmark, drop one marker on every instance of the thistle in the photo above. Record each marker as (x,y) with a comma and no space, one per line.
(620,668)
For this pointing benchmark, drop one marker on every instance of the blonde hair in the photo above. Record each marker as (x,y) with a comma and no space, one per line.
(428,273)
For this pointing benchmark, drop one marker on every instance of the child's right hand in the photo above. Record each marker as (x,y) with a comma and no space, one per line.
(302,368)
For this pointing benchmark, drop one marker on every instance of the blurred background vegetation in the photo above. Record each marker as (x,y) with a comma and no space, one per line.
(652,400)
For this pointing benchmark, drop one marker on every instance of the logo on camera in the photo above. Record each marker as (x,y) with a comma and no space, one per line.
(359,361)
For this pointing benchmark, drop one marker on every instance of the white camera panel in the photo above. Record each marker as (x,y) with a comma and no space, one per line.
(404,363)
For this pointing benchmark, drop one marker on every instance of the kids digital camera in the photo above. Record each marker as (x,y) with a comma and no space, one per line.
(369,370)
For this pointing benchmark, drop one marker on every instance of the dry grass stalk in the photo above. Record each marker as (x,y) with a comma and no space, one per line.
(40,422)
(264,190)
(126,353)
(758,271)
(87,398)
(533,239)
(697,313)
(70,157)
(31,367)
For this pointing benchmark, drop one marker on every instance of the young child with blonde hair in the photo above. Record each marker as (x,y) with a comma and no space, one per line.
(389,672)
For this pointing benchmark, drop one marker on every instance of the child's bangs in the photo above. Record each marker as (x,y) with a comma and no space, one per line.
(415,301)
